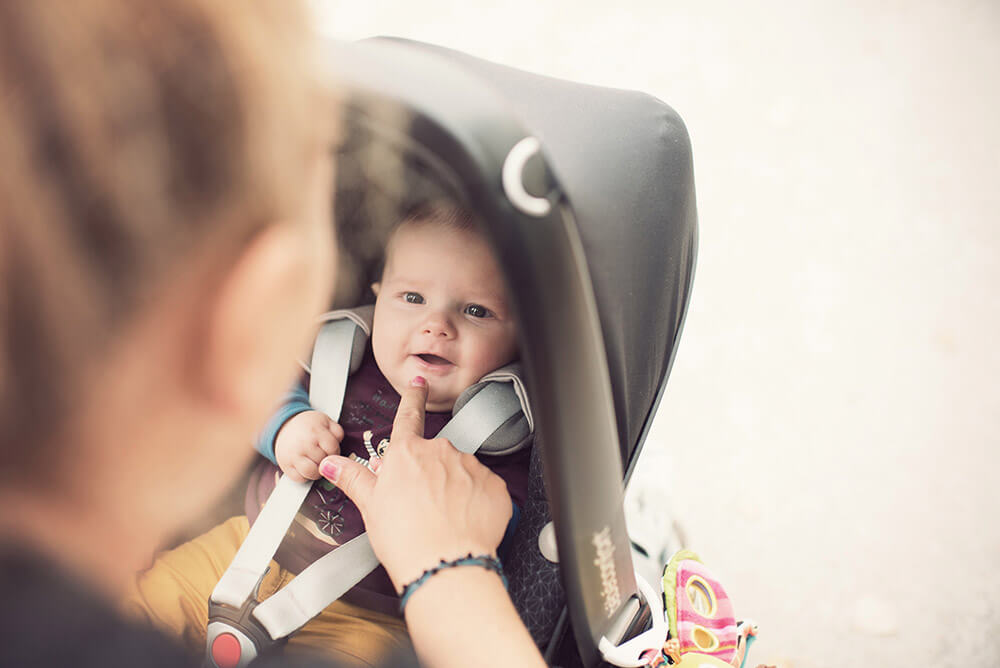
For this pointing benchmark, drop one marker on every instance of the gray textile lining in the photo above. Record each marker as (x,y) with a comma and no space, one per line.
(481,417)
(516,432)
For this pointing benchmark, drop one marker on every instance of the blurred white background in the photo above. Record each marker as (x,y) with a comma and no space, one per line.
(828,439)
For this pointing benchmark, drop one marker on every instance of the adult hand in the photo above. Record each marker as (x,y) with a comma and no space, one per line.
(428,501)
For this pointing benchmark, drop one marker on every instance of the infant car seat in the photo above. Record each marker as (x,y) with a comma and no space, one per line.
(587,197)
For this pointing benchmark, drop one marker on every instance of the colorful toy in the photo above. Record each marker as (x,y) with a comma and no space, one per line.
(702,628)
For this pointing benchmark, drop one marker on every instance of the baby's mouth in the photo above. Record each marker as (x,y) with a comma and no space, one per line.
(434,360)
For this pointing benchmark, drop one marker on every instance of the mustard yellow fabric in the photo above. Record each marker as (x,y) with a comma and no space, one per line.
(173,596)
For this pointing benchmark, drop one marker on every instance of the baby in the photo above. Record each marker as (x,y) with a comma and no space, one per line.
(441,312)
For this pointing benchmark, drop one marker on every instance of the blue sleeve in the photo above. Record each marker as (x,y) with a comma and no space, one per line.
(515,517)
(295,402)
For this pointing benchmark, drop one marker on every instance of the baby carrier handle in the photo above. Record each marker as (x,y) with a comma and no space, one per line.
(240,627)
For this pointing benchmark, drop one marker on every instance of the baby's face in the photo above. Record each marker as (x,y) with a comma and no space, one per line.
(441,313)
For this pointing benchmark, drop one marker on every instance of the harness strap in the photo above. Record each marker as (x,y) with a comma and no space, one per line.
(331,353)
(319,585)
(251,560)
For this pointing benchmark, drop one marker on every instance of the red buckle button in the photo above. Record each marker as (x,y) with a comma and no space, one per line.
(226,650)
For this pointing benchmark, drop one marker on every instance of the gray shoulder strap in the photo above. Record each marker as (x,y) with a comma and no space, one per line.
(332,353)
(482,415)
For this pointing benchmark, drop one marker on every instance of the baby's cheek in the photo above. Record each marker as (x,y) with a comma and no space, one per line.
(380,349)
(504,352)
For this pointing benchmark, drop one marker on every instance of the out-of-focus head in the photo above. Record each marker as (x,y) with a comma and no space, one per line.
(158,160)
(442,310)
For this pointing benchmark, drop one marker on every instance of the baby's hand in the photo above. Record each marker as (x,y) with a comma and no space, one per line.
(304,441)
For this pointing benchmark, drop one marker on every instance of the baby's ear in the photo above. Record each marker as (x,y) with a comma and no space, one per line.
(376,286)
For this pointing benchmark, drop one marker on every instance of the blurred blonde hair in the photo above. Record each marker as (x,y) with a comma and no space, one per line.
(134,133)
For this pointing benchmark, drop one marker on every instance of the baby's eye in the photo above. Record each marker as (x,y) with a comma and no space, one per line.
(477,311)
(413,297)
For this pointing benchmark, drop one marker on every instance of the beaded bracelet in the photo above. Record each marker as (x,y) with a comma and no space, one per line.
(484,560)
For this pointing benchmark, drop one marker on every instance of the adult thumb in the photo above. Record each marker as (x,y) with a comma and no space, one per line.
(353,479)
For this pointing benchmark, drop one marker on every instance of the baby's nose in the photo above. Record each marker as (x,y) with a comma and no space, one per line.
(439,325)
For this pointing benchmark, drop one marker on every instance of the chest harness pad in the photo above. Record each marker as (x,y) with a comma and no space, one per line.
(492,417)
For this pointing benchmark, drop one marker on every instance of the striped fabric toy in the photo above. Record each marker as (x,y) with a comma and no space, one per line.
(703,627)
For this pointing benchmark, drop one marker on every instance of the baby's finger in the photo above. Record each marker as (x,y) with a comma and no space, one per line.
(410,414)
(307,468)
(337,431)
(325,445)
(316,452)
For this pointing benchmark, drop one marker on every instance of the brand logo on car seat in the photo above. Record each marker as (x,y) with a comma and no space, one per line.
(605,560)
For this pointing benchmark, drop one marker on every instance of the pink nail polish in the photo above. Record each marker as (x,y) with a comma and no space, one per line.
(418,381)
(329,470)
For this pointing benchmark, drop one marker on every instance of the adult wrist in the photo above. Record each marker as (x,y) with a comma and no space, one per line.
(405,568)
(486,563)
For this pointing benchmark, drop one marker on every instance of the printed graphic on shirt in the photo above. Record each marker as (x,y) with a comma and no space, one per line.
(327,512)
(378,409)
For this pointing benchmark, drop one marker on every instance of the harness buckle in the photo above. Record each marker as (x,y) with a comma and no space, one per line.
(234,637)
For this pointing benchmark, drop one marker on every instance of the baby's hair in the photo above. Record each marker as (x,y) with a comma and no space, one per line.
(445,213)
(441,212)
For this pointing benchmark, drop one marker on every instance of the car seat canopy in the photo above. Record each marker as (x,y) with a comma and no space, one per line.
(622,160)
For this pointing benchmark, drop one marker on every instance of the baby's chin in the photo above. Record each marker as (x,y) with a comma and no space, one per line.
(435,404)
(438,397)
(440,407)
(439,404)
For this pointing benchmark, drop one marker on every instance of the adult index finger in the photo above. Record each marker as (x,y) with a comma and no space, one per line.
(410,414)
